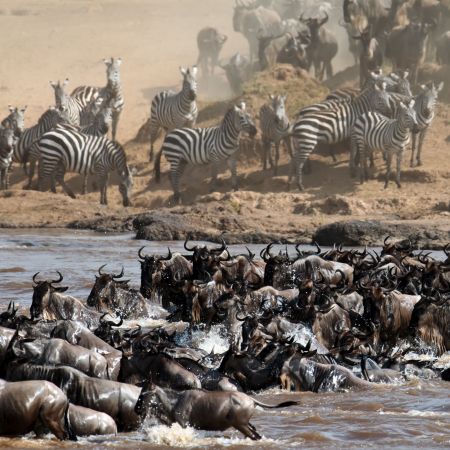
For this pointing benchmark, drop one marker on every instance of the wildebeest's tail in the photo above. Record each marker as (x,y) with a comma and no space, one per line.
(158,166)
(279,405)
(69,430)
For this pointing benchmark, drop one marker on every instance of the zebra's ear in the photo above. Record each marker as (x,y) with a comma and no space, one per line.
(242,106)
(53,84)
(119,61)
(394,76)
(405,74)
(11,109)
(412,103)
(402,105)
(183,71)
(194,71)
(440,86)
(66,82)
(24,108)
(423,87)
(272,97)
(107,61)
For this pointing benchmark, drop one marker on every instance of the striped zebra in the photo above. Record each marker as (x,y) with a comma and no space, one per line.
(275,127)
(15,120)
(111,94)
(199,146)
(332,126)
(7,143)
(67,150)
(99,127)
(425,109)
(63,101)
(46,122)
(373,131)
(170,110)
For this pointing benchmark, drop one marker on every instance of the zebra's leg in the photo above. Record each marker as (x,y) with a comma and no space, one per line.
(231,162)
(364,173)
(31,170)
(413,149)
(419,149)
(399,164)
(329,69)
(85,184)
(6,177)
(102,181)
(277,157)
(214,172)
(353,151)
(176,170)
(59,177)
(114,122)
(2,173)
(266,150)
(154,132)
(388,167)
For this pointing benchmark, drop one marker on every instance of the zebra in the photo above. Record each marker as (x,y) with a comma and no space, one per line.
(170,110)
(111,94)
(66,150)
(275,127)
(373,131)
(424,106)
(332,126)
(15,120)
(205,145)
(72,105)
(7,143)
(99,127)
(48,120)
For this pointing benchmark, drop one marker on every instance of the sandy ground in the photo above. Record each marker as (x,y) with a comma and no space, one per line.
(50,40)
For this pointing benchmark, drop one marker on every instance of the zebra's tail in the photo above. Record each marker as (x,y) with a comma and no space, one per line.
(158,166)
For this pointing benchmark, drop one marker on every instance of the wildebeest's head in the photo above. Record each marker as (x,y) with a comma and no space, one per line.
(42,291)
(149,265)
(102,293)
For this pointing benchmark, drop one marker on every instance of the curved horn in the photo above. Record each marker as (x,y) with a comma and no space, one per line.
(169,255)
(386,239)
(120,275)
(34,277)
(60,277)
(319,250)
(301,19)
(100,270)
(186,247)
(299,252)
(221,248)
(250,254)
(324,20)
(116,324)
(140,252)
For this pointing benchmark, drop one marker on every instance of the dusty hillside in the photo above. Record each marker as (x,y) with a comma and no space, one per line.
(61,33)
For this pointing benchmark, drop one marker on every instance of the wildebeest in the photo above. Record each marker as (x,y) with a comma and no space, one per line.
(50,304)
(251,21)
(201,409)
(25,405)
(111,295)
(210,43)
(238,70)
(322,48)
(86,421)
(111,397)
(443,49)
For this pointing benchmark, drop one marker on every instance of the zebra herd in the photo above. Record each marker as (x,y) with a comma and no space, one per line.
(71,136)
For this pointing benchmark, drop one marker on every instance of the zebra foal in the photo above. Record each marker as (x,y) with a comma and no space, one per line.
(67,150)
(373,131)
(199,146)
(170,110)
(275,127)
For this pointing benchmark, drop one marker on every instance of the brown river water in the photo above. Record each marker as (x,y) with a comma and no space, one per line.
(415,414)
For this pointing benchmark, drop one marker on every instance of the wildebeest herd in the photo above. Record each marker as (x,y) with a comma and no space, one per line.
(319,321)
(71,137)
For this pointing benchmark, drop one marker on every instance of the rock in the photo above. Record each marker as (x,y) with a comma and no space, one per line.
(352,232)
(107,224)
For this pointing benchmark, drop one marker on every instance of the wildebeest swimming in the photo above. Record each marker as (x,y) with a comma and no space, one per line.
(320,321)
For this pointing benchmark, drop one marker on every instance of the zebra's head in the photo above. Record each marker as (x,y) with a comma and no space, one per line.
(379,99)
(113,70)
(428,96)
(15,120)
(402,86)
(190,82)
(60,94)
(407,116)
(279,108)
(126,185)
(243,121)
